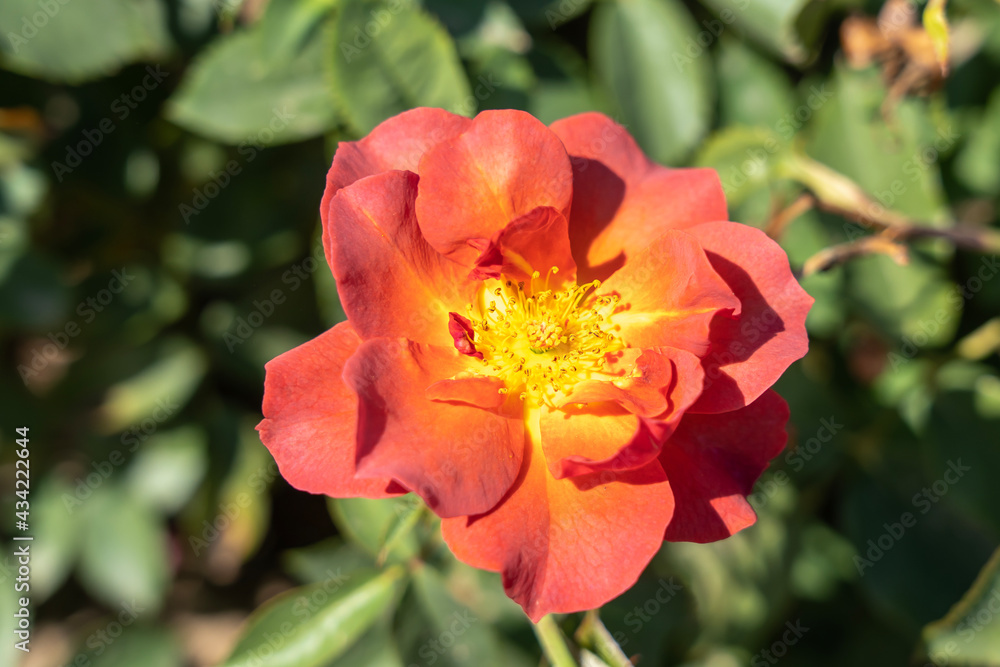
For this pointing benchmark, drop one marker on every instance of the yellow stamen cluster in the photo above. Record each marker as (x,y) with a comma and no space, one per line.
(542,342)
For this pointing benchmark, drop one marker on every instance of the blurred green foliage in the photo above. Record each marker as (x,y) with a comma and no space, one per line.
(161,165)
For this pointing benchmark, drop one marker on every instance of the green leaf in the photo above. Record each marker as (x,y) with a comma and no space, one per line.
(157,393)
(9,605)
(482,591)
(226,527)
(731,583)
(987,18)
(550,13)
(900,536)
(961,430)
(563,87)
(369,522)
(148,647)
(124,557)
(22,188)
(433,622)
(970,633)
(802,238)
(752,90)
(387,57)
(746,159)
(320,561)
(242,90)
(287,25)
(168,469)
(58,532)
(376,648)
(788,28)
(400,529)
(65,40)
(978,163)
(897,166)
(501,74)
(771,22)
(822,563)
(914,304)
(665,95)
(311,626)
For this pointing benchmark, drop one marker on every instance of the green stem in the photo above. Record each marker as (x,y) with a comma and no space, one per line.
(553,643)
(594,636)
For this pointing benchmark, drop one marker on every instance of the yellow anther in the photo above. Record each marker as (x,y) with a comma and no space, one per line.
(540,340)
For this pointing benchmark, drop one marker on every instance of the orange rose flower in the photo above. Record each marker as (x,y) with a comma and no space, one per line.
(562,347)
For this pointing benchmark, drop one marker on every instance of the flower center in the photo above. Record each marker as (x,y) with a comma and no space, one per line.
(542,342)
(543,333)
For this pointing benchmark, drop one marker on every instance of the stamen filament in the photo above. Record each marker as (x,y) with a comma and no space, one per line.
(542,342)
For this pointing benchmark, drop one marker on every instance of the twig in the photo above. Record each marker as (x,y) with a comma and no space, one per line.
(972,237)
(776,225)
(827,258)
(838,194)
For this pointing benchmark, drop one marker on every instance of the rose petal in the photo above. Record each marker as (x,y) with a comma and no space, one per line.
(653,381)
(506,164)
(391,282)
(397,143)
(749,353)
(460,459)
(669,295)
(537,241)
(600,437)
(579,440)
(482,391)
(621,199)
(596,431)
(567,545)
(712,462)
(310,418)
(460,328)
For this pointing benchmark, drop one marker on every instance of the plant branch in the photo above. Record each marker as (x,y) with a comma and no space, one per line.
(827,258)
(971,237)
(835,193)
(779,221)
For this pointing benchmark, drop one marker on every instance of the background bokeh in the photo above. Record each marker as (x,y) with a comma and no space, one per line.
(161,166)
